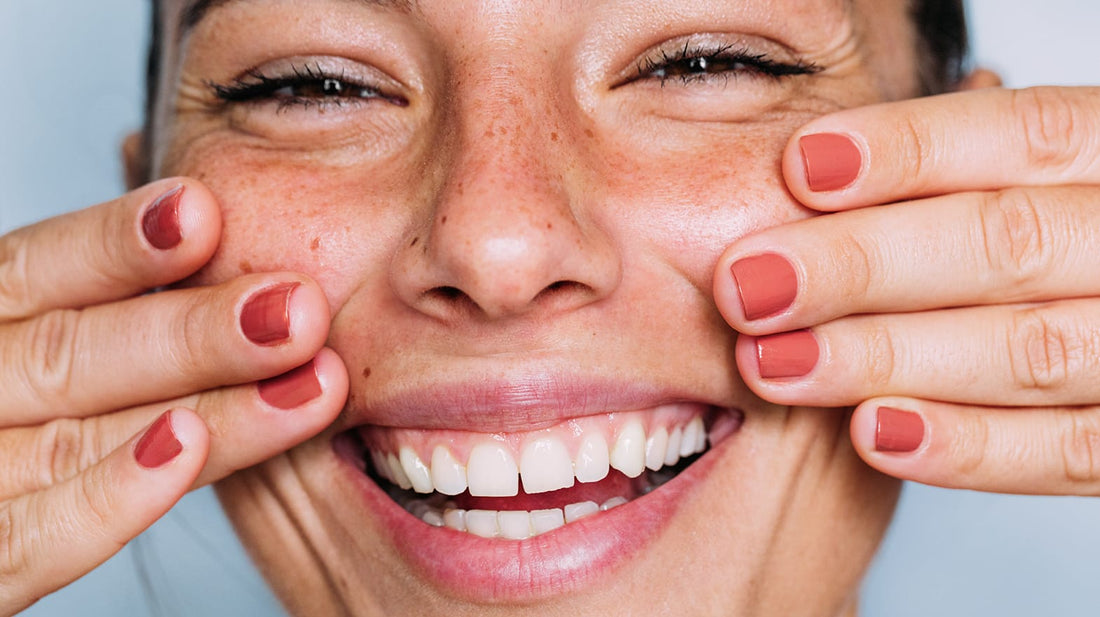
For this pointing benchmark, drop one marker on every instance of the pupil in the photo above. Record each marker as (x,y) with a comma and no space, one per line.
(698,65)
(332,87)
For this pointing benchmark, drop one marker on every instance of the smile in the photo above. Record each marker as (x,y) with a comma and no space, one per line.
(516,486)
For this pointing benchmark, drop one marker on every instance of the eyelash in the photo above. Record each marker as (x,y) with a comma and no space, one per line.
(331,89)
(694,63)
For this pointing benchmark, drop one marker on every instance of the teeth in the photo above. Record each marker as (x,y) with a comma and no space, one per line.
(448,475)
(700,435)
(629,453)
(543,521)
(482,523)
(691,434)
(514,525)
(614,502)
(397,474)
(655,449)
(433,518)
(674,438)
(491,472)
(592,464)
(577,511)
(545,466)
(416,471)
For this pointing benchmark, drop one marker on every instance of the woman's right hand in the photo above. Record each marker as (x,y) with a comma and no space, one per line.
(114,403)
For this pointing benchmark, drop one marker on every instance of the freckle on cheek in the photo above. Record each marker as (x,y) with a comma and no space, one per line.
(245,266)
(366,373)
(315,244)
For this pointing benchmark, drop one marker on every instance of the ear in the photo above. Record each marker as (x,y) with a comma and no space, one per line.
(980,78)
(134,163)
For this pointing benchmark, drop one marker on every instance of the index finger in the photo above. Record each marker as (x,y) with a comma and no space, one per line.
(967,141)
(152,236)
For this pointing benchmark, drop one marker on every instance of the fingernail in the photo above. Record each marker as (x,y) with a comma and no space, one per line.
(265,319)
(292,389)
(791,354)
(158,445)
(832,161)
(161,223)
(898,430)
(766,283)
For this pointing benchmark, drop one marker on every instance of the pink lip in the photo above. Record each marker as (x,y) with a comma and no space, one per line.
(566,560)
(509,405)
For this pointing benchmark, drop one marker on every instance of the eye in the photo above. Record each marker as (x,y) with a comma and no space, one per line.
(305,86)
(706,62)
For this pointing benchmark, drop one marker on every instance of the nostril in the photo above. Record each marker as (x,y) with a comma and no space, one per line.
(560,289)
(446,293)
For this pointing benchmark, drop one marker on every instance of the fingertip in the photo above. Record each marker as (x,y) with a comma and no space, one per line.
(823,165)
(178,223)
(178,438)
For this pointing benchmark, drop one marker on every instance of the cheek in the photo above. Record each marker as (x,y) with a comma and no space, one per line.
(333,223)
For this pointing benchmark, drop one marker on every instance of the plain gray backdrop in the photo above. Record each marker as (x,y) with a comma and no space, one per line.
(72,71)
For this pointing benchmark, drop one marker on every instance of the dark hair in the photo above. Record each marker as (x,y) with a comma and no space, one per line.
(943,47)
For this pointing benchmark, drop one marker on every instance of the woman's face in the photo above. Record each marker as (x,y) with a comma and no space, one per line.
(515,208)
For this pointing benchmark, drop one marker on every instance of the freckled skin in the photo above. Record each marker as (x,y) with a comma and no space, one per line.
(520,208)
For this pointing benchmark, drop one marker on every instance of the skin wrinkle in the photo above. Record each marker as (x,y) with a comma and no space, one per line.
(661,195)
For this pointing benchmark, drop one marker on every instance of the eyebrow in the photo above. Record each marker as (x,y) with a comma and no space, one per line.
(195,10)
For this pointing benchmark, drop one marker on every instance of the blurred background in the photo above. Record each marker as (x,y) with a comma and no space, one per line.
(73,70)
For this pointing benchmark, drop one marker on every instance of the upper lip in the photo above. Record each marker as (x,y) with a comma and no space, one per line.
(513,403)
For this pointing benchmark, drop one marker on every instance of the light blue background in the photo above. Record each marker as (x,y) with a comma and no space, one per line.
(72,77)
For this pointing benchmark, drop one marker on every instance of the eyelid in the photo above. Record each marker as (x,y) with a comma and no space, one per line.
(319,67)
(716,43)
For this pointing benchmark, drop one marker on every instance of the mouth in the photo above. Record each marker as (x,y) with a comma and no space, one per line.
(572,500)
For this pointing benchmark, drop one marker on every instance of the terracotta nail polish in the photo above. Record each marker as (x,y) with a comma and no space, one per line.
(767,284)
(292,389)
(159,445)
(832,161)
(161,223)
(265,319)
(898,431)
(791,354)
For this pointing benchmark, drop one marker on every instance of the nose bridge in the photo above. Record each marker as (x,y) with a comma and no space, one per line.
(504,232)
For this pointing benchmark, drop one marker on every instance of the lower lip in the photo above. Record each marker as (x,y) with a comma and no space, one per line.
(563,561)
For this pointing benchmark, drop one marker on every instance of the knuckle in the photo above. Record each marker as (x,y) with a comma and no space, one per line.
(858,262)
(95,503)
(1048,120)
(881,357)
(1080,447)
(13,553)
(51,353)
(1016,236)
(61,452)
(16,296)
(969,449)
(1043,354)
(919,149)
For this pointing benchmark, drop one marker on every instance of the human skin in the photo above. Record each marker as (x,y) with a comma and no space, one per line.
(581,246)
(807,513)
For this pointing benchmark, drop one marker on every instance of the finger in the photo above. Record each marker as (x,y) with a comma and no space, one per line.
(248,424)
(51,538)
(1034,451)
(1018,245)
(155,347)
(979,140)
(153,236)
(1018,355)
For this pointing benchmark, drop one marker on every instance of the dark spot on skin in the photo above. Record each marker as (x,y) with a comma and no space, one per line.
(415,241)
(589,133)
(366,373)
(315,244)
(443,221)
(553,136)
(245,266)
(549,225)
(489,132)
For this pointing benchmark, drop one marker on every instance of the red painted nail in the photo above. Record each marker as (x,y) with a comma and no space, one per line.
(161,223)
(158,445)
(265,319)
(832,161)
(766,283)
(791,354)
(898,430)
(292,389)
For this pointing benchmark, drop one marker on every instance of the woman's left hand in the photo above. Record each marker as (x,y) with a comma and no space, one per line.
(962,317)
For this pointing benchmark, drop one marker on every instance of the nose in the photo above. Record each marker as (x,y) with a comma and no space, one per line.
(509,232)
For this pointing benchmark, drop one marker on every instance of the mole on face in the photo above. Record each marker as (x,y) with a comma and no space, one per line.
(366,373)
(245,266)
(315,244)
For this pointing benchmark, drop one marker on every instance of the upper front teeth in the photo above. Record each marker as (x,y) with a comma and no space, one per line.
(544,461)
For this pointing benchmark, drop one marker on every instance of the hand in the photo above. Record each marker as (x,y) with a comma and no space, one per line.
(90,454)
(963,318)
